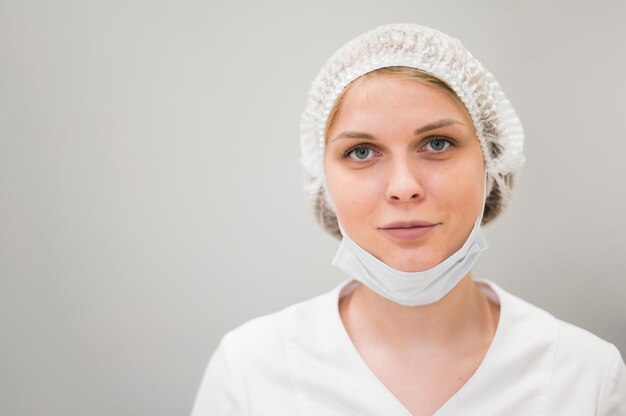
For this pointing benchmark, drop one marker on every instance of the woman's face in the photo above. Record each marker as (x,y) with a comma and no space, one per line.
(405,171)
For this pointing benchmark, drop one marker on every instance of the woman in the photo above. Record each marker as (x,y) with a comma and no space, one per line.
(409,145)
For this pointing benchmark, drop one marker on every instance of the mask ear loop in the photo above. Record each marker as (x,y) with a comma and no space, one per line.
(327,196)
(485,193)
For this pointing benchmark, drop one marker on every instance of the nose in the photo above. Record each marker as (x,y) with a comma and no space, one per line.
(403,182)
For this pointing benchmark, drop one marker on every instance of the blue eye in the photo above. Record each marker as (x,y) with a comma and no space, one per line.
(438,144)
(360,153)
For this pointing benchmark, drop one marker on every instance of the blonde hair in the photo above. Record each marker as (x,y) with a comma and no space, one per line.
(494,202)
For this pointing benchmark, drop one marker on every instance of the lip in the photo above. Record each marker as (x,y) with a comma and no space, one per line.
(408,230)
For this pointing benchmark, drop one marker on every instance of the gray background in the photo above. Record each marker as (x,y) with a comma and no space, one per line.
(150,191)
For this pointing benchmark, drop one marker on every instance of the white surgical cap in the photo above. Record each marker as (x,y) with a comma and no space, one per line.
(497,126)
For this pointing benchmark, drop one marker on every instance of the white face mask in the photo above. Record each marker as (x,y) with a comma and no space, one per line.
(410,288)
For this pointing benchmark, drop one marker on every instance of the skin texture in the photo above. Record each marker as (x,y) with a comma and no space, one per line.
(402,177)
(422,354)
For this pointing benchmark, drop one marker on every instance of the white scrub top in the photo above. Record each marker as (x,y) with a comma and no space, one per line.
(301,361)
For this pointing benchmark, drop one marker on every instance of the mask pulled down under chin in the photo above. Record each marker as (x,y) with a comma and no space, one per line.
(409,288)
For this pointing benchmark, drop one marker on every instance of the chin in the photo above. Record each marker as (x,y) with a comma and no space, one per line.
(414,262)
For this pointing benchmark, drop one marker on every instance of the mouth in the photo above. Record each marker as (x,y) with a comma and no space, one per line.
(408,231)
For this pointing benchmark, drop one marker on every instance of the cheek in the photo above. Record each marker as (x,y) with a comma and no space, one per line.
(354,196)
(464,189)
(454,186)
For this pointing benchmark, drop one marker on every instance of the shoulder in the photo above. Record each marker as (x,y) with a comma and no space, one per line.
(581,345)
(251,366)
(267,335)
(567,339)
(576,362)
(587,365)
(572,344)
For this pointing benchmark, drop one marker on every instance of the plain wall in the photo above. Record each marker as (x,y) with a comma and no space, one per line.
(150,188)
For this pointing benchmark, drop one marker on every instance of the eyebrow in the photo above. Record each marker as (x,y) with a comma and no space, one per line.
(430,126)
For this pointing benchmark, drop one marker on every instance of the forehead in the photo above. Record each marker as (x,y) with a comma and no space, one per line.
(380,97)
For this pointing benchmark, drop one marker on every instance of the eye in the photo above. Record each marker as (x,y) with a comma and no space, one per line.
(360,153)
(437,144)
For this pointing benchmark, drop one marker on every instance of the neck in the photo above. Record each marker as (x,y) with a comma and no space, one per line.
(463,314)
